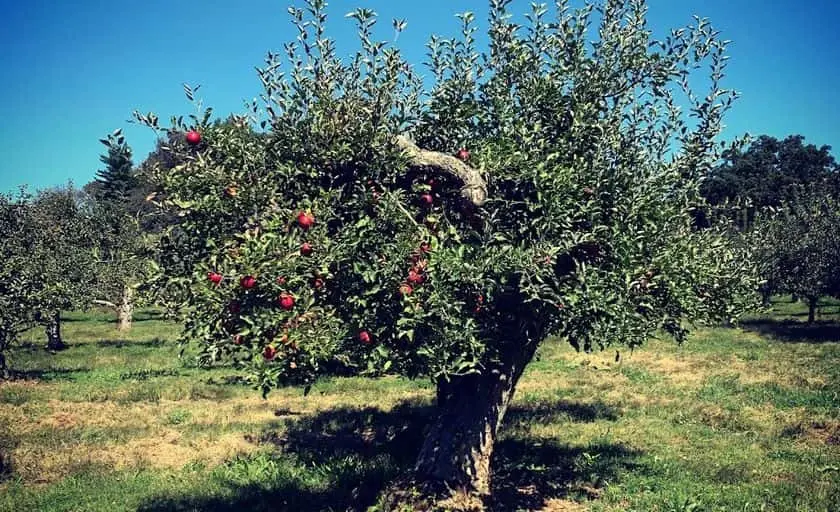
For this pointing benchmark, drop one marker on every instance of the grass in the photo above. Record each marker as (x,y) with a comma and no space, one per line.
(741,419)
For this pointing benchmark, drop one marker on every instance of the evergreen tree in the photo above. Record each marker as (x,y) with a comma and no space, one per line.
(116,181)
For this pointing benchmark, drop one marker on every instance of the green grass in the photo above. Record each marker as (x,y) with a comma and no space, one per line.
(743,419)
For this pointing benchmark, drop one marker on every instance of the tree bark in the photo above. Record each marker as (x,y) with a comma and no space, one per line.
(473,188)
(125,311)
(766,295)
(53,330)
(4,371)
(812,309)
(459,443)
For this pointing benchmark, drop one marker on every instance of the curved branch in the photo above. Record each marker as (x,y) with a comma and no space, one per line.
(474,187)
(104,303)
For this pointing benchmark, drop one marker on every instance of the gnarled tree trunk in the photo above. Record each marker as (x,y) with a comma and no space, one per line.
(53,331)
(459,443)
(125,310)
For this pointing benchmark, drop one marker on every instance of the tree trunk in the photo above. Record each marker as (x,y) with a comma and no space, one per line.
(459,443)
(125,311)
(53,330)
(4,371)
(812,309)
(765,298)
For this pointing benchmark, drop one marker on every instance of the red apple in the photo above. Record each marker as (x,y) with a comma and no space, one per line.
(248,282)
(364,337)
(414,277)
(269,352)
(406,289)
(281,280)
(193,137)
(462,155)
(588,191)
(214,277)
(425,247)
(237,340)
(234,307)
(305,249)
(231,191)
(318,283)
(427,199)
(305,220)
(286,301)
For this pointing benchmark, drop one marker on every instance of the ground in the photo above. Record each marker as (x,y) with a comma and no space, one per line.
(743,419)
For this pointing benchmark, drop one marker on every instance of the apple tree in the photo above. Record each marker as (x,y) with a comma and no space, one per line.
(544,186)
(798,246)
(15,311)
(48,244)
(120,240)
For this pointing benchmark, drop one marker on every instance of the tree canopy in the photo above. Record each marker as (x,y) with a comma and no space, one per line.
(770,173)
(544,187)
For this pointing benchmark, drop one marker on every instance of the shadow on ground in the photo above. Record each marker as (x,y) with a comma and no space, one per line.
(110,318)
(152,343)
(793,331)
(48,374)
(357,454)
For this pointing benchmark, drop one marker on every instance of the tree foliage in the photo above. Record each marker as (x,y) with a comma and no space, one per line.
(798,247)
(117,180)
(48,260)
(120,239)
(591,174)
(770,173)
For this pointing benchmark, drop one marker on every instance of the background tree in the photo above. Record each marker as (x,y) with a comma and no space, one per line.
(119,210)
(15,311)
(58,242)
(799,246)
(349,232)
(769,173)
(117,180)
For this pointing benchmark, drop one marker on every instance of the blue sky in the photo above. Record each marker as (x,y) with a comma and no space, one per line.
(74,71)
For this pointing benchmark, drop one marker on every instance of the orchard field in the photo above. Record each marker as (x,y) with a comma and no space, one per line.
(735,419)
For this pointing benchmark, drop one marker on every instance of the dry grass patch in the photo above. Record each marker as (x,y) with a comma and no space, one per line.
(559,505)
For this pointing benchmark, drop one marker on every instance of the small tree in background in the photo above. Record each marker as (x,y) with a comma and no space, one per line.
(120,239)
(57,241)
(799,247)
(542,188)
(15,308)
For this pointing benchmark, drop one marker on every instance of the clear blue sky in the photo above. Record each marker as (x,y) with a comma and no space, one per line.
(72,71)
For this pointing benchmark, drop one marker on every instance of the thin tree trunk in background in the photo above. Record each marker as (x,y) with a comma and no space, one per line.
(765,298)
(4,371)
(125,311)
(812,309)
(53,330)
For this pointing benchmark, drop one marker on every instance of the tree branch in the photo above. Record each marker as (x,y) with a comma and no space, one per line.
(474,187)
(105,303)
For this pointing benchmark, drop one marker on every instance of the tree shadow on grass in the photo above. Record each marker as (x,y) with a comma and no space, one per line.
(47,374)
(345,458)
(111,318)
(152,343)
(791,331)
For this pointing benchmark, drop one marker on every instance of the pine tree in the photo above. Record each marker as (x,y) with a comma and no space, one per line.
(117,180)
